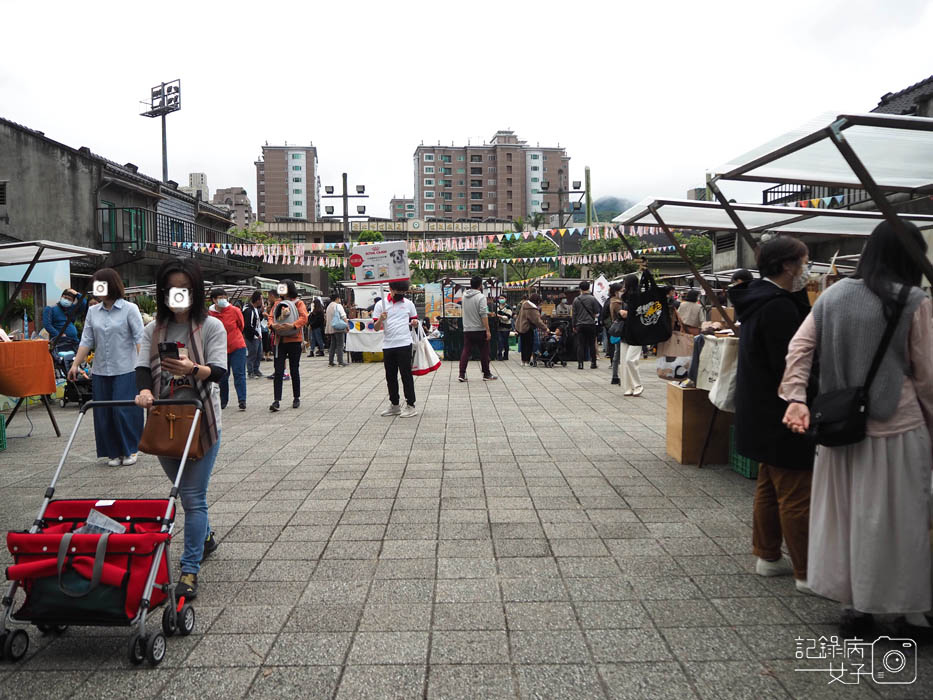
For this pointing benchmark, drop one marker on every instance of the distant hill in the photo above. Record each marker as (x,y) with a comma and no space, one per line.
(607,208)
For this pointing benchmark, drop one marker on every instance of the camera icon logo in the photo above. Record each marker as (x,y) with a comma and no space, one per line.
(894,661)
(178,298)
(282,289)
(99,289)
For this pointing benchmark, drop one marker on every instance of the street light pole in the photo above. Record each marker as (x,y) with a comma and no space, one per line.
(545,187)
(163,100)
(345,197)
(164,152)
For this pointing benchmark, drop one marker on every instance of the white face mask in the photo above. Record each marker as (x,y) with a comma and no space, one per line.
(222,303)
(800,281)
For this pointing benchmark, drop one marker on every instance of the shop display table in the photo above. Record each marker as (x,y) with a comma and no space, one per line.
(26,370)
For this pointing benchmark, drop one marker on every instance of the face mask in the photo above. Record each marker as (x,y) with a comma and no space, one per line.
(563,301)
(66,303)
(502,301)
(800,281)
(222,303)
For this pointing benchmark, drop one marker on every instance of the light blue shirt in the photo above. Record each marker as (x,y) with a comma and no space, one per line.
(113,335)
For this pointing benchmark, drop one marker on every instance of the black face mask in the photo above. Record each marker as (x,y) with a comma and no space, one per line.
(398,296)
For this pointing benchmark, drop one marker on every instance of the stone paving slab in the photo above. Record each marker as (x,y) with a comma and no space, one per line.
(525,538)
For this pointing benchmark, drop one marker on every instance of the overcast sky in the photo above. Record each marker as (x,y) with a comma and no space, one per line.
(648,94)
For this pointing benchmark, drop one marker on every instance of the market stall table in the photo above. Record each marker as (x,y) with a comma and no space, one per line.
(26,370)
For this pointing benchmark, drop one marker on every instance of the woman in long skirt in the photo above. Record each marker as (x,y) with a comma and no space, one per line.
(869,543)
(113,330)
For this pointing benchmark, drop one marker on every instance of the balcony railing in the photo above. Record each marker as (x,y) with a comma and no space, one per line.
(135,229)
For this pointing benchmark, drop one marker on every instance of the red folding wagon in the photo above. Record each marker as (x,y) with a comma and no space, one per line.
(115,579)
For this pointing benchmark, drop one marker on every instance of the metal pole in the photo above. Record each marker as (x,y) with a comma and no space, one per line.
(881,201)
(696,273)
(164,152)
(739,224)
(346,229)
(589,198)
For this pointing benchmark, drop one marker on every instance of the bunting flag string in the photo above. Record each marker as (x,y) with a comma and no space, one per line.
(835,200)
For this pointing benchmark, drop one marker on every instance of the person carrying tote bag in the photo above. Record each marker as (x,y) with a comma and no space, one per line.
(183,354)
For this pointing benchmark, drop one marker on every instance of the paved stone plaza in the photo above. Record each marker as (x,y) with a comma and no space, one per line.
(521,538)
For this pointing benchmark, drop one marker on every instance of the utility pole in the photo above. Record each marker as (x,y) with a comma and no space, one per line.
(163,100)
(589,197)
(345,197)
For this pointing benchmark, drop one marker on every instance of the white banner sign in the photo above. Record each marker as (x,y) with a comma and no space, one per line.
(379,263)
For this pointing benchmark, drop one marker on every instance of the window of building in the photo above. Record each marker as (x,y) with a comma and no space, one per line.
(508,181)
(263,182)
(429,170)
(490,182)
(461,171)
(476,207)
(445,159)
(447,195)
(476,159)
(476,171)
(448,207)
(460,183)
(460,158)
(428,157)
(296,167)
(508,194)
(476,183)
(460,195)
(476,195)
(535,202)
(410,215)
(297,191)
(508,169)
(429,182)
(491,159)
(461,207)
(535,168)
(535,179)
(491,170)
(428,206)
(296,156)
(534,156)
(446,183)
(491,207)
(508,206)
(446,171)
(409,206)
(294,179)
(429,194)
(297,203)
(299,215)
(399,207)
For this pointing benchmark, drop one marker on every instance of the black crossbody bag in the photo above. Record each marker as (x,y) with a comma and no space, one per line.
(839,417)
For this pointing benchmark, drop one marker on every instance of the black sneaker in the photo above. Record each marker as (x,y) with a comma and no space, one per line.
(187,587)
(461,379)
(223,406)
(242,405)
(274,406)
(490,378)
(593,365)
(615,380)
(210,546)
(296,403)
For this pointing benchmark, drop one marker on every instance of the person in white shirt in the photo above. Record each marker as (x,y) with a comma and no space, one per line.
(396,316)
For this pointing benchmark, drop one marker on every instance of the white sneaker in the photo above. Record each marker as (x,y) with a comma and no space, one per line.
(409,411)
(391,411)
(627,393)
(115,462)
(127,461)
(781,567)
(802,587)
(639,390)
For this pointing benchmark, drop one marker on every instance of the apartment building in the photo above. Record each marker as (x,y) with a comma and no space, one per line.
(499,180)
(287,184)
(402,208)
(236,201)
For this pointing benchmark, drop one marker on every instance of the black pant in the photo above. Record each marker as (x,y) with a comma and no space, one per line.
(586,340)
(398,361)
(528,344)
(293,352)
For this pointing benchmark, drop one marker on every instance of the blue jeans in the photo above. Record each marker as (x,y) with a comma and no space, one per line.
(236,365)
(502,352)
(193,492)
(116,430)
(253,355)
(317,340)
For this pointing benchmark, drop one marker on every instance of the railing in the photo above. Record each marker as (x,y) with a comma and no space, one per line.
(783,194)
(136,229)
(789,194)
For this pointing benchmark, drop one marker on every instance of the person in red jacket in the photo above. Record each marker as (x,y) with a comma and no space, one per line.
(232,318)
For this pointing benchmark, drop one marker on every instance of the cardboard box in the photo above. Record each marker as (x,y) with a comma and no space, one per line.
(688,416)
(714,314)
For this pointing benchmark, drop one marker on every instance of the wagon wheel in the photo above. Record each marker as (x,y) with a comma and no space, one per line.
(137,649)
(16,645)
(155,649)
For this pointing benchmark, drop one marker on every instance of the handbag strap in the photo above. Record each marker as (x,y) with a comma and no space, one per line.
(99,555)
(886,338)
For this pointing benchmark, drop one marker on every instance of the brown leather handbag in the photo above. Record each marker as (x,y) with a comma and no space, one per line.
(167,429)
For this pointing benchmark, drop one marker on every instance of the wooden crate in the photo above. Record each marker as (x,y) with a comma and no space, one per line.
(688,416)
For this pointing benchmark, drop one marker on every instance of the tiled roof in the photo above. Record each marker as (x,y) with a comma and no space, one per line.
(905,101)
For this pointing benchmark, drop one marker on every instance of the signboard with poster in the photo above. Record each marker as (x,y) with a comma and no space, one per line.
(380,263)
(601,289)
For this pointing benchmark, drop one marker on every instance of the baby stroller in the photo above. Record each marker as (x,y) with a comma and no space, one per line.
(78,391)
(553,346)
(97,562)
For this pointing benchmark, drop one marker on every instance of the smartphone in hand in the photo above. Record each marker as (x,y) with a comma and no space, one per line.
(168,350)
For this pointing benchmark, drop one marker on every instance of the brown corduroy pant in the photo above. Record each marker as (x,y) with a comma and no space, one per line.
(782,511)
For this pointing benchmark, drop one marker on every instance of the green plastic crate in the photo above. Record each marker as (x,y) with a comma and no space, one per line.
(741,465)
(2,433)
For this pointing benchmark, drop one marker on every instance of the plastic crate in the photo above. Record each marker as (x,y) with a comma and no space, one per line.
(741,465)
(2,433)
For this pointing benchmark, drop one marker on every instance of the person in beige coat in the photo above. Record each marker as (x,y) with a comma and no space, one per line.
(529,318)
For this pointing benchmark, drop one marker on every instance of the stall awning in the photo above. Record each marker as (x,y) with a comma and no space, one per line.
(24,253)
(711,216)
(896,150)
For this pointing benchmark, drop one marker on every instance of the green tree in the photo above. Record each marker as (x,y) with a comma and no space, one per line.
(371,237)
(698,248)
(255,232)
(522,248)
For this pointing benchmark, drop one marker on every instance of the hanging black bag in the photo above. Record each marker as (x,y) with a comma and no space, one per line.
(649,320)
(839,417)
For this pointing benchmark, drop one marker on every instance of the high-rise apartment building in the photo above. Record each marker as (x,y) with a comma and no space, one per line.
(198,183)
(501,179)
(236,201)
(402,208)
(287,184)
